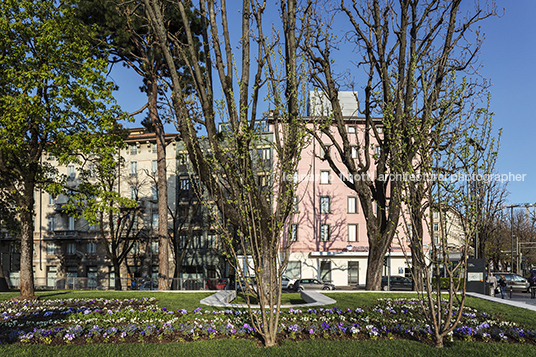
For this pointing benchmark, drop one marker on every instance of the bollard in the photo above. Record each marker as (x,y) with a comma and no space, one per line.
(511,292)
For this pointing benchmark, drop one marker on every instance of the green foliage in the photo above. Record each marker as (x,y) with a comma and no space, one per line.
(444,283)
(54,97)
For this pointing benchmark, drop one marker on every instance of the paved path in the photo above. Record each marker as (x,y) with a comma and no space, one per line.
(522,300)
(223,298)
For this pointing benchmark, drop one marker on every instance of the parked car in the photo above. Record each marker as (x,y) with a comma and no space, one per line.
(287,283)
(516,282)
(241,285)
(312,284)
(397,283)
(217,284)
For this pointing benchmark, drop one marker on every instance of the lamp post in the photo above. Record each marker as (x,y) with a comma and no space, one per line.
(512,228)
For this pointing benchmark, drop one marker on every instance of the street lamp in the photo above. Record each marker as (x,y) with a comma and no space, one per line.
(512,228)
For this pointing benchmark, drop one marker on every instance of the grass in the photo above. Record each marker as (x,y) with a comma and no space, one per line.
(396,348)
(286,299)
(317,347)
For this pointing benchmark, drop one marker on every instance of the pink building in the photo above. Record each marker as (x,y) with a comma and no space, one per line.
(328,229)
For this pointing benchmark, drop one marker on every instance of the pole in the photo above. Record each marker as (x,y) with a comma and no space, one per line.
(512,238)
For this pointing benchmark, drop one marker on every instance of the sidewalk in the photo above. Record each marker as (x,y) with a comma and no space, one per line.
(521,300)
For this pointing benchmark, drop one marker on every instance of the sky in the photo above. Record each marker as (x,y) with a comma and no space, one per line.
(508,59)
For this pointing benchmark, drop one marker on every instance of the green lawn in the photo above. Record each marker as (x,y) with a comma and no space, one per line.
(318,347)
(383,348)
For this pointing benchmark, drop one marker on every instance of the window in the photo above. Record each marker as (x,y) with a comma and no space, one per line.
(410,231)
(133,149)
(351,130)
(15,247)
(378,150)
(51,224)
(34,249)
(353,272)
(111,274)
(293,232)
(51,249)
(352,204)
(436,227)
(183,241)
(265,153)
(185,184)
(325,204)
(354,152)
(154,166)
(293,270)
(154,274)
(154,148)
(92,248)
(294,178)
(133,167)
(352,233)
(325,152)
(325,177)
(92,277)
(325,272)
(135,222)
(324,232)
(295,204)
(133,193)
(154,247)
(135,248)
(71,249)
(154,193)
(71,172)
(436,214)
(71,223)
(155,220)
(436,239)
(211,240)
(51,199)
(379,130)
(91,170)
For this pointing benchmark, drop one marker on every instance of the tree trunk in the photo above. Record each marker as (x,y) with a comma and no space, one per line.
(4,286)
(26,256)
(117,272)
(375,264)
(163,245)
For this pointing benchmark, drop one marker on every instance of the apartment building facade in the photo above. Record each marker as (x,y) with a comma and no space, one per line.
(328,229)
(68,252)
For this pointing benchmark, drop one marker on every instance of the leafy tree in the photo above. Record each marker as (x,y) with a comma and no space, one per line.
(407,51)
(228,169)
(53,97)
(98,199)
(122,25)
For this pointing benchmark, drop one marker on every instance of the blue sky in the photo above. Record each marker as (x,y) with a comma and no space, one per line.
(508,56)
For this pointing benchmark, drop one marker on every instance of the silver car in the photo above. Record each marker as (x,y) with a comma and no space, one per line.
(312,284)
(514,281)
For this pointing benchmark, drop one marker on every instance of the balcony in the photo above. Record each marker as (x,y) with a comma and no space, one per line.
(68,234)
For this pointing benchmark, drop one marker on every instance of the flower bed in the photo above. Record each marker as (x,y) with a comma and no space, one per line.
(80,321)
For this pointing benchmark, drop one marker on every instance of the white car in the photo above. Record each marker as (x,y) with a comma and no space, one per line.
(287,283)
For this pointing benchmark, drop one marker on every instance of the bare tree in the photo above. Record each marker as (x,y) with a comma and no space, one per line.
(407,50)
(228,172)
(449,212)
